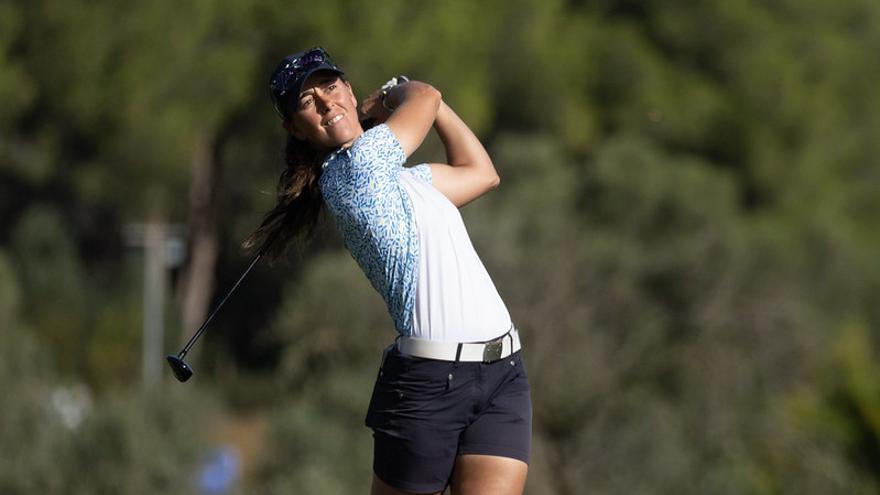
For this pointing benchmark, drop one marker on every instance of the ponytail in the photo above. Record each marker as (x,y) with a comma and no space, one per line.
(299,205)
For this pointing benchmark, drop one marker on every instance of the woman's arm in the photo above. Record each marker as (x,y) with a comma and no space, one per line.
(470,172)
(415,107)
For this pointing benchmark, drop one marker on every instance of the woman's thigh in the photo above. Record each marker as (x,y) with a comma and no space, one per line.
(488,475)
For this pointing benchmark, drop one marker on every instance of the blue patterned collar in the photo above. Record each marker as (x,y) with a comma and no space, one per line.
(334,154)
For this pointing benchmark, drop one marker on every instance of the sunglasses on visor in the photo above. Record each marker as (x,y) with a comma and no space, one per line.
(289,76)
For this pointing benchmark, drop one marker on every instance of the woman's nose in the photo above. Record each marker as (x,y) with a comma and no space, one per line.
(323,102)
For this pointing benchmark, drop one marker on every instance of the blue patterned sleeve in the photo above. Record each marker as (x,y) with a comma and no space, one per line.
(422,171)
(379,152)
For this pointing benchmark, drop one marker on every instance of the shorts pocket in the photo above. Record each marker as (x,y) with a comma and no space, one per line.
(408,387)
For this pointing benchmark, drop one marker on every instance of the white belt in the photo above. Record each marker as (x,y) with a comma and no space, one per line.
(484,352)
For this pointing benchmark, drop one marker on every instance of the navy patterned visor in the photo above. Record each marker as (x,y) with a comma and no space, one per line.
(287,79)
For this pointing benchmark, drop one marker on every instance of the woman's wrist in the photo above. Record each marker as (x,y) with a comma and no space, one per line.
(387,89)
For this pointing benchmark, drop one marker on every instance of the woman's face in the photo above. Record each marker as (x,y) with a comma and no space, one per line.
(326,113)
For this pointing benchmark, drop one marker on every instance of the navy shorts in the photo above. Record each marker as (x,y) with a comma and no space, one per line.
(425,412)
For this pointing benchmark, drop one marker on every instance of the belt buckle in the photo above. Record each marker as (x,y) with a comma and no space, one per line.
(492,350)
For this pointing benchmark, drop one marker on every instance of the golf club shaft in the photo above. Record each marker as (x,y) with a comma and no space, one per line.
(202,328)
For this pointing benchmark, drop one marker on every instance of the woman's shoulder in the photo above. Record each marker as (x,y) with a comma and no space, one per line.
(377,143)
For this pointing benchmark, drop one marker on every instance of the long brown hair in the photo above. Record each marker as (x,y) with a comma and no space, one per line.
(299,205)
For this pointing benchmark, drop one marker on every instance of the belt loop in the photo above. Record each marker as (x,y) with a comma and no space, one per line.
(458,352)
(510,335)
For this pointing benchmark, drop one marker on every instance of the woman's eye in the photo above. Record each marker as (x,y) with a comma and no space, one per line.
(305,103)
(332,87)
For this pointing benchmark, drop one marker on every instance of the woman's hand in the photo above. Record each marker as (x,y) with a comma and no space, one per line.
(372,108)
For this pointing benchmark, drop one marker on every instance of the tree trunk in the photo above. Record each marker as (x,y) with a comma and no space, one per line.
(197,281)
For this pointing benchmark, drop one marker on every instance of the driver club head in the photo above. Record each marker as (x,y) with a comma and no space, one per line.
(181,370)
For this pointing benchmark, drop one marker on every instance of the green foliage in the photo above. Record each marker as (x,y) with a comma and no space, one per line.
(16,88)
(67,441)
(842,411)
(48,262)
(318,442)
(52,279)
(686,233)
(332,315)
(123,445)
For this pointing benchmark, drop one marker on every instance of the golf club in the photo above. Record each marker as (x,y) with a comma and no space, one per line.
(183,371)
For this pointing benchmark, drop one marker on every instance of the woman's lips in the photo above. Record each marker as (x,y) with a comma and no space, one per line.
(331,122)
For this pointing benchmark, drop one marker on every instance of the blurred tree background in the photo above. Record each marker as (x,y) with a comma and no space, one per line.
(686,233)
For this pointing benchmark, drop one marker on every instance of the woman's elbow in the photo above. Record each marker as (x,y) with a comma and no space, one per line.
(425,90)
(493,180)
(434,93)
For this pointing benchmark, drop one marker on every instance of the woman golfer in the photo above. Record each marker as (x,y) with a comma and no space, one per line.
(451,403)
